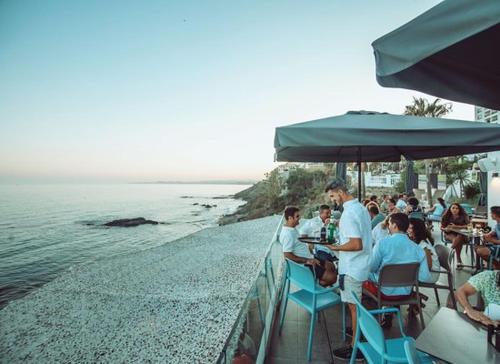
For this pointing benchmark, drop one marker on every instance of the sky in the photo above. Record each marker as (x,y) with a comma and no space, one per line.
(126,91)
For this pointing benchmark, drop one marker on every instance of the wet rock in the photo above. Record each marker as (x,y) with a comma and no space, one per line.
(131,222)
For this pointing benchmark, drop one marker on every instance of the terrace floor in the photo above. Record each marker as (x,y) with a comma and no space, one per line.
(291,346)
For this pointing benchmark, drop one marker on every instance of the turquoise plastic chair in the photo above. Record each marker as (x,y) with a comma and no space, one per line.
(467,208)
(411,352)
(310,296)
(377,349)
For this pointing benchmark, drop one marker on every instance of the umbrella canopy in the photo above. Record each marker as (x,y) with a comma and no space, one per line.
(378,137)
(450,51)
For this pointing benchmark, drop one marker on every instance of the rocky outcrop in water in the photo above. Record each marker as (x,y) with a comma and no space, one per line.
(131,222)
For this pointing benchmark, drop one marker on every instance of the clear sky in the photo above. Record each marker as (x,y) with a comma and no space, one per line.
(114,91)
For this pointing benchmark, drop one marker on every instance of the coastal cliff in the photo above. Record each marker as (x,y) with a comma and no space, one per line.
(299,187)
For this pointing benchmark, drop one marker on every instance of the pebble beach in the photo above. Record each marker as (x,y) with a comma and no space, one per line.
(175,303)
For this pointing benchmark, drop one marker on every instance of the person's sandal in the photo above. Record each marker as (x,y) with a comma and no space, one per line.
(460,266)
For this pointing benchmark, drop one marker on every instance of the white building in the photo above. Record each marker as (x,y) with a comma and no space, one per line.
(493,163)
(486,115)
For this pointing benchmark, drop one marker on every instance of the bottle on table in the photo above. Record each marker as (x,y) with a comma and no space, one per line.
(331,231)
(323,233)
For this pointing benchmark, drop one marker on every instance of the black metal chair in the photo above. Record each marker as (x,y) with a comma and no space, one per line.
(444,255)
(398,275)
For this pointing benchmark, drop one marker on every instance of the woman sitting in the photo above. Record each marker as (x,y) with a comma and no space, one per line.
(422,237)
(455,218)
(436,211)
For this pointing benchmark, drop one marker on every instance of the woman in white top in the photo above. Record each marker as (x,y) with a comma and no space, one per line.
(421,236)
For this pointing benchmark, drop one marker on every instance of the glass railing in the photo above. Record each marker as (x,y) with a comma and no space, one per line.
(250,335)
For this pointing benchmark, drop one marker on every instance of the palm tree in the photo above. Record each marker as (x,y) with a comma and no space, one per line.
(435,109)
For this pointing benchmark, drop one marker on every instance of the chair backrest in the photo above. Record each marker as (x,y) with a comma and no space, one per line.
(416,215)
(370,327)
(467,208)
(301,276)
(399,275)
(411,351)
(443,253)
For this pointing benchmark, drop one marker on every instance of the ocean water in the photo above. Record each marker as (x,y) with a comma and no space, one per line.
(46,229)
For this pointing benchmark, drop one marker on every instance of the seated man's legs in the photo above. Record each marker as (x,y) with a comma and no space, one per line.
(325,273)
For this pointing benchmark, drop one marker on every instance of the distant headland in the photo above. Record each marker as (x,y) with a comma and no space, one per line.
(210,182)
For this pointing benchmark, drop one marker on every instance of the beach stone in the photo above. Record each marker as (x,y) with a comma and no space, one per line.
(176,303)
(131,222)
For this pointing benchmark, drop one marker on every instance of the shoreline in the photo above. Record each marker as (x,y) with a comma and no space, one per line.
(174,303)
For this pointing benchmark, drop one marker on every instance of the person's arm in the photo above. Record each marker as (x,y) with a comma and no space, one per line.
(352,245)
(376,258)
(428,255)
(300,260)
(462,294)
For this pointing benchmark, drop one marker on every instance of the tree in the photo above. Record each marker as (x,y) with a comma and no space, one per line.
(435,109)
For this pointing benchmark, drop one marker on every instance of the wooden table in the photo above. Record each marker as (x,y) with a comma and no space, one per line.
(451,336)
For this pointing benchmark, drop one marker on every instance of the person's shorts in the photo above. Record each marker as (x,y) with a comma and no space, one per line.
(318,270)
(351,286)
(323,256)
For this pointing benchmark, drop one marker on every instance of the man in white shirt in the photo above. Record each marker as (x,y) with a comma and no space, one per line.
(299,252)
(354,253)
(401,203)
(313,226)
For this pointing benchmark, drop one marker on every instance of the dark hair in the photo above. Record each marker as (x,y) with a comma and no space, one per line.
(420,231)
(366,202)
(290,211)
(373,198)
(495,210)
(441,201)
(445,220)
(373,209)
(336,184)
(392,200)
(401,221)
(323,208)
(413,201)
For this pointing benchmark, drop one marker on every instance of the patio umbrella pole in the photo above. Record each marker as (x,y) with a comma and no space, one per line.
(359,175)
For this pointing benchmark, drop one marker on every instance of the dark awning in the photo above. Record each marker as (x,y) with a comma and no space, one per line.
(451,51)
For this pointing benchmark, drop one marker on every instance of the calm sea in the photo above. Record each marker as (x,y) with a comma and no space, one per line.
(45,229)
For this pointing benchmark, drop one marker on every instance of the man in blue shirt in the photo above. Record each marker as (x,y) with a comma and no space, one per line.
(492,239)
(397,249)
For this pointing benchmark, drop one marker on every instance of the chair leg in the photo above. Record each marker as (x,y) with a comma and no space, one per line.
(452,292)
(327,335)
(437,296)
(283,309)
(421,314)
(311,336)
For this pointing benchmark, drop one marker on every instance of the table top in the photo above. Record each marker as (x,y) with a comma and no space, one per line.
(453,337)
(464,232)
(313,240)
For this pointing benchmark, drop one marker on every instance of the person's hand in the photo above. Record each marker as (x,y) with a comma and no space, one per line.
(481,317)
(488,237)
(312,262)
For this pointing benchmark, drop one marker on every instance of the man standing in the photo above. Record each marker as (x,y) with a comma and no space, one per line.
(354,253)
(299,252)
